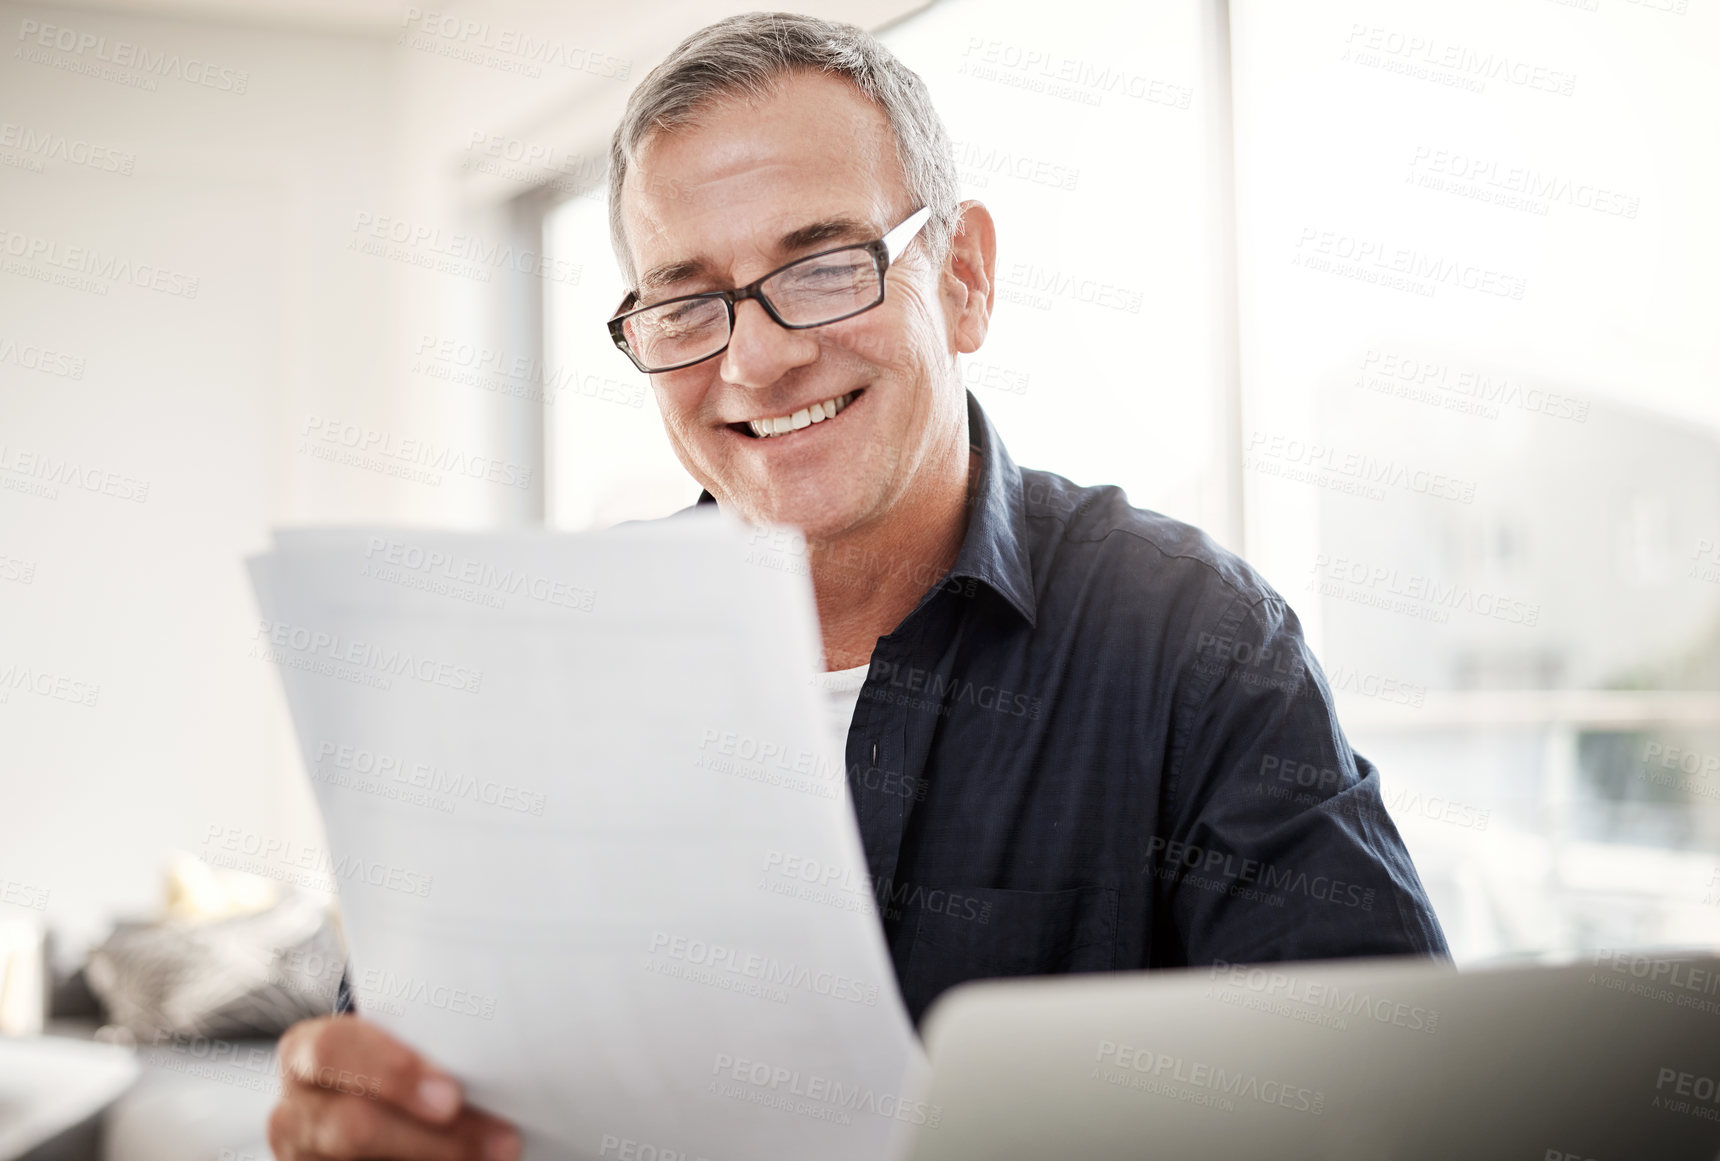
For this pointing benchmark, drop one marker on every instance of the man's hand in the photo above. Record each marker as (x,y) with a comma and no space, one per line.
(349,1089)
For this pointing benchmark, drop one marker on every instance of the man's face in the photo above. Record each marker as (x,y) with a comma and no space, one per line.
(748,188)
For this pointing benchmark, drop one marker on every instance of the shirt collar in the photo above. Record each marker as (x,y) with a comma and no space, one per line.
(994,549)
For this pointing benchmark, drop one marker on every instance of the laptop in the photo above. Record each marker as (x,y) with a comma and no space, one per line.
(1615,1057)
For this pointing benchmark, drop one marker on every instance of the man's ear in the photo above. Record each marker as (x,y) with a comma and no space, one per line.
(969,278)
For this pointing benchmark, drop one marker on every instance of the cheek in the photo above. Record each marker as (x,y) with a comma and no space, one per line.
(679,411)
(667,409)
(902,340)
(925,323)
(680,396)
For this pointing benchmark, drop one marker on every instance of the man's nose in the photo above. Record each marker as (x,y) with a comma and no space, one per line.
(761,352)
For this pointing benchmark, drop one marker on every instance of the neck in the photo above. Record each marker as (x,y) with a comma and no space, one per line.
(867,581)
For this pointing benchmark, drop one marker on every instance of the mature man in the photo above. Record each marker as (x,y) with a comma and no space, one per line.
(1081,736)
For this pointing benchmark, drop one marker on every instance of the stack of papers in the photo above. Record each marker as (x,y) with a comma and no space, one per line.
(591,831)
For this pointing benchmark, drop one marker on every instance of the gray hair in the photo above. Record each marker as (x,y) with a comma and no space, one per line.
(747,55)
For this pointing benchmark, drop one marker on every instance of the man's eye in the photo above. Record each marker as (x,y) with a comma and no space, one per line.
(688,315)
(845,270)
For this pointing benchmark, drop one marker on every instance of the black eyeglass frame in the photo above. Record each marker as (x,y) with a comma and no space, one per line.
(883,250)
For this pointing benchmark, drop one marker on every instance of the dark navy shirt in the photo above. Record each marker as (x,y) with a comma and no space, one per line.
(1101,743)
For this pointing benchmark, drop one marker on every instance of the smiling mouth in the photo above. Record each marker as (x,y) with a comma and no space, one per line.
(777,426)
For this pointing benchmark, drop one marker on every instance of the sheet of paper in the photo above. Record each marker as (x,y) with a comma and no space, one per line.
(589,824)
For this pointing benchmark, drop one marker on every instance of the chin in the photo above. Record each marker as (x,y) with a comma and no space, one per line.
(819,517)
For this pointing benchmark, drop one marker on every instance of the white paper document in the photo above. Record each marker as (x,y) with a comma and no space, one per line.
(591,833)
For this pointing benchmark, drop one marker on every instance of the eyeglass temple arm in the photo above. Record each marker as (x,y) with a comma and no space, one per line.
(897,240)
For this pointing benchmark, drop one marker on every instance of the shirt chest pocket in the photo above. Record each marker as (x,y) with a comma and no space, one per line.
(971,933)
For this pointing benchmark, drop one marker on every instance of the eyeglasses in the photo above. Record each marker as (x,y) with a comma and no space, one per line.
(809,292)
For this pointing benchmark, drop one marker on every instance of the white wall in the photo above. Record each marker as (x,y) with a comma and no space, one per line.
(146,601)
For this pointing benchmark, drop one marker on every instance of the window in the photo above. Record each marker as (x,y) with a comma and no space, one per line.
(1479,436)
(609,459)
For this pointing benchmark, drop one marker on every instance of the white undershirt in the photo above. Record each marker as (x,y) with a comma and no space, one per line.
(842,687)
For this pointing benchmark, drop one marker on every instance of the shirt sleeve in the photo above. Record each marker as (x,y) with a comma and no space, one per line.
(343,999)
(1275,842)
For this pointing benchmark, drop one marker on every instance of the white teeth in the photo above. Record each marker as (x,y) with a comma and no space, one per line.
(805,417)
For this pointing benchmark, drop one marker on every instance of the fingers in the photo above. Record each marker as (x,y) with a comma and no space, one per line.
(353,1091)
(351,1056)
(316,1124)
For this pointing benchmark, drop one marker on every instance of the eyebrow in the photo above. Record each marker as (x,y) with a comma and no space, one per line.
(827,230)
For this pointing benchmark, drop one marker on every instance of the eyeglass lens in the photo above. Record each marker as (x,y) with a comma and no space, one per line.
(817,290)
